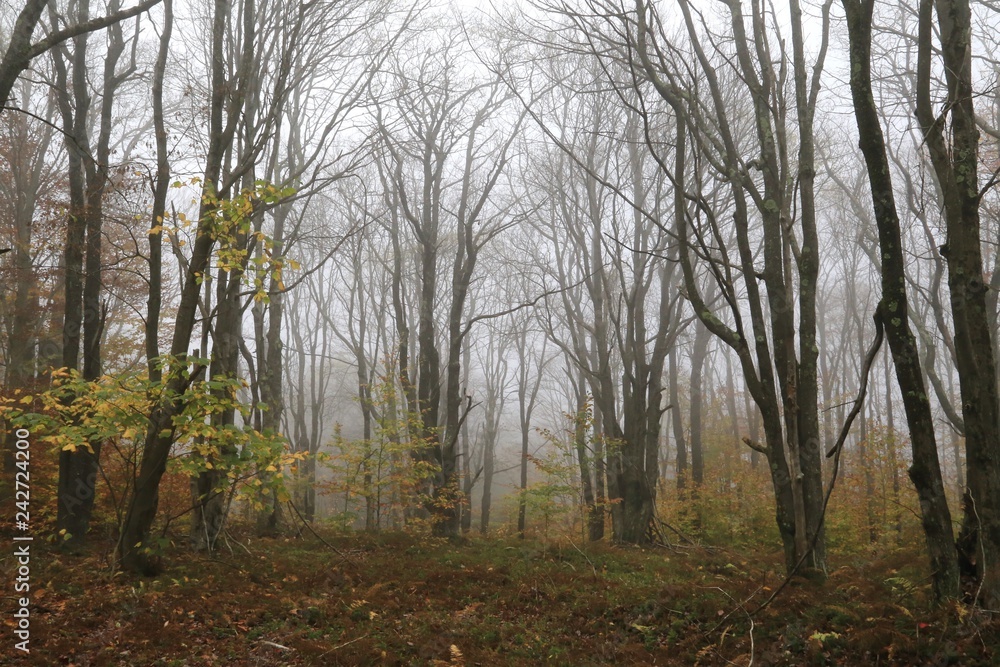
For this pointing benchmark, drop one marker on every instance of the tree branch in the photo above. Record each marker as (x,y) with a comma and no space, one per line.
(20,51)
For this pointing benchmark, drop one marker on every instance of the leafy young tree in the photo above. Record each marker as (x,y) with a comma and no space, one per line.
(232,101)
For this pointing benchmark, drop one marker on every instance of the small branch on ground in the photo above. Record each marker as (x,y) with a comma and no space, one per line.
(305,523)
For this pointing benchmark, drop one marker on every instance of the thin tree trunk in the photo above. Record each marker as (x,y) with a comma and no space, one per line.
(26,316)
(698,353)
(135,554)
(155,262)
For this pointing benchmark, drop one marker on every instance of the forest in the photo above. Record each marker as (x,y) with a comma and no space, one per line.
(572,332)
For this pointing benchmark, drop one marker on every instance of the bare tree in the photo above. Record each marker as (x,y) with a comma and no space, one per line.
(21,51)
(741,110)
(496,368)
(893,310)
(89,172)
(531,362)
(24,144)
(445,148)
(956,165)
(619,303)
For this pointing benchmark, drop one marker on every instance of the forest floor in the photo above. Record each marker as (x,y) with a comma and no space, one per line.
(403,600)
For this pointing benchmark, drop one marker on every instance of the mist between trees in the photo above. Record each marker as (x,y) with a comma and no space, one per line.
(618,271)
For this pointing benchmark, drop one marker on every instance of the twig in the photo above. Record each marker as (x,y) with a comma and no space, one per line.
(586,557)
(317,535)
(356,639)
(742,607)
(982,550)
(674,530)
(277,646)
(835,452)
(230,536)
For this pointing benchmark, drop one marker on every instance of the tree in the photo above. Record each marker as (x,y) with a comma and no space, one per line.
(20,51)
(893,310)
(654,78)
(24,145)
(308,382)
(445,147)
(89,172)
(225,104)
(497,378)
(527,384)
(618,298)
(956,165)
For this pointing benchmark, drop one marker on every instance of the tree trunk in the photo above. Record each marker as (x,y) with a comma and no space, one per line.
(925,471)
(155,236)
(495,398)
(134,552)
(956,164)
(525,424)
(698,354)
(866,461)
(209,489)
(594,515)
(891,444)
(271,367)
(78,470)
(27,169)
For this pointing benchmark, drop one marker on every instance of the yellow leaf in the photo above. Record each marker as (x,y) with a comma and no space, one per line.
(270,468)
(26,400)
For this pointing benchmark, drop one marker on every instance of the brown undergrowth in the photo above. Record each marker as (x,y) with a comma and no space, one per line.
(403,600)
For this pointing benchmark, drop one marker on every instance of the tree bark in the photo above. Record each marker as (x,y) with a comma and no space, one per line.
(677,424)
(134,552)
(78,470)
(698,353)
(956,164)
(160,189)
(893,309)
